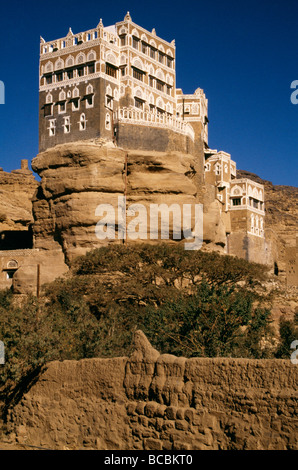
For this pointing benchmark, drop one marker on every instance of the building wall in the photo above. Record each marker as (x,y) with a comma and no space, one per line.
(130,136)
(10,262)
(250,247)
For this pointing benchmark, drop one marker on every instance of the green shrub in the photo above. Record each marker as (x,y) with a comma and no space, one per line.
(188,303)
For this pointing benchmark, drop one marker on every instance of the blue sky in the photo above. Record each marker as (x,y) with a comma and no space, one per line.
(243,54)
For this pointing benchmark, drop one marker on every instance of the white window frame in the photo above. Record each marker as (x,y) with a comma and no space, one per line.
(108,122)
(52,127)
(109,102)
(60,111)
(66,124)
(83,122)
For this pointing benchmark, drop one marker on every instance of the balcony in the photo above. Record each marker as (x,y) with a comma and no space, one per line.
(147,118)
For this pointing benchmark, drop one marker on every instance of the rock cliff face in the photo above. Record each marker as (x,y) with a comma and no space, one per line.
(159,402)
(16,193)
(77,178)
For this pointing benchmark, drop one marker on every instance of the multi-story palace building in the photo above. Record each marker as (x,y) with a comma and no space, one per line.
(118,83)
(101,82)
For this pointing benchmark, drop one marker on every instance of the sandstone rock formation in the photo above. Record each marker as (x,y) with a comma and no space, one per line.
(16,193)
(78,177)
(159,402)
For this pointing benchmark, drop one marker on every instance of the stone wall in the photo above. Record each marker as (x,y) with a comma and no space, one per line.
(153,402)
(252,248)
(130,136)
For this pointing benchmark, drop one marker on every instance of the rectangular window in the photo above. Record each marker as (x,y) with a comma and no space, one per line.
(159,85)
(91,68)
(49,79)
(138,103)
(152,52)
(48,110)
(109,102)
(135,43)
(237,201)
(151,81)
(62,107)
(111,71)
(137,74)
(144,48)
(70,74)
(169,90)
(59,77)
(169,62)
(123,71)
(160,57)
(255,203)
(123,40)
(80,71)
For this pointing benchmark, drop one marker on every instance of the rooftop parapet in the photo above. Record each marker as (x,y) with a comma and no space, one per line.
(71,39)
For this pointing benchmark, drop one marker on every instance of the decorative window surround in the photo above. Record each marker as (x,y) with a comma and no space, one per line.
(52,127)
(77,80)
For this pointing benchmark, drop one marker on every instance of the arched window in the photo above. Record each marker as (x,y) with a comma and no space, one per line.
(49,67)
(75,93)
(217,170)
(89,90)
(49,98)
(59,64)
(69,61)
(160,103)
(252,223)
(83,122)
(91,56)
(108,121)
(62,96)
(81,58)
(12,264)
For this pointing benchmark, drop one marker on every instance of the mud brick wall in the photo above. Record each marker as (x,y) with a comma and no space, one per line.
(160,402)
(130,136)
